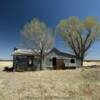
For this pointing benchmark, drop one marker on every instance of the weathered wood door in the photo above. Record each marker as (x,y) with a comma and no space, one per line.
(58,63)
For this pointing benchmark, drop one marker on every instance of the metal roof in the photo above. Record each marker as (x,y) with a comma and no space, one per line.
(23,52)
(31,52)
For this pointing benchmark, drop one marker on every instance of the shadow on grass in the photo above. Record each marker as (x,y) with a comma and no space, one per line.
(8,69)
(11,69)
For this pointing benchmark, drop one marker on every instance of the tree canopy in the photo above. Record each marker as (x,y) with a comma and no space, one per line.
(38,37)
(78,34)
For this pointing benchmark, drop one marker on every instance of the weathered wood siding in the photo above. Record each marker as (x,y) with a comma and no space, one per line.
(48,60)
(21,63)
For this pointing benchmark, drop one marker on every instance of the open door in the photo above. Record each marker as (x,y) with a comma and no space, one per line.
(30,61)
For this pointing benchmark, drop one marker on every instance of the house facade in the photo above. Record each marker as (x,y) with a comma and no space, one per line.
(26,59)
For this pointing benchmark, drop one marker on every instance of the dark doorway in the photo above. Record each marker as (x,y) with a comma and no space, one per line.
(72,61)
(54,62)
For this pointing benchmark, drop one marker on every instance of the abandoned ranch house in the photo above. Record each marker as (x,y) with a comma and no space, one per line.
(26,59)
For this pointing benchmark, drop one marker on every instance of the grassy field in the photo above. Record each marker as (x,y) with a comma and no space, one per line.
(79,84)
(6,63)
(91,63)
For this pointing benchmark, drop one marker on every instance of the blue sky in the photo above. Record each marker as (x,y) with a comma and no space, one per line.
(15,13)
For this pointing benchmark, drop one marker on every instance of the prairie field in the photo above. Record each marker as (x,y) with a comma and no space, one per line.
(76,84)
(91,63)
(6,63)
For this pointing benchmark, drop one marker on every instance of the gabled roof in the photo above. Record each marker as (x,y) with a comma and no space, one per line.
(58,52)
(31,52)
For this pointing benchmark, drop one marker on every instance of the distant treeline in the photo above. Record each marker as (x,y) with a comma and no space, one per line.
(91,60)
(6,60)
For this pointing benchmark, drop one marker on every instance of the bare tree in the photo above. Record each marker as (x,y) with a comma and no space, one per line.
(37,37)
(79,35)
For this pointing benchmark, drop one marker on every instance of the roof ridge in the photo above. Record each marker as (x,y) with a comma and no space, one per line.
(60,52)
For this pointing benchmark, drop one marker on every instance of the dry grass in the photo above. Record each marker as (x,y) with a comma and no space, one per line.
(6,63)
(91,63)
(50,85)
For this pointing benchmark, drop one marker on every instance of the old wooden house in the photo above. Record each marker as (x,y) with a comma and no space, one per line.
(26,59)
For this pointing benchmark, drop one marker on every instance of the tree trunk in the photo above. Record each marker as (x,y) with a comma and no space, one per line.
(41,63)
(41,59)
(82,59)
(81,62)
